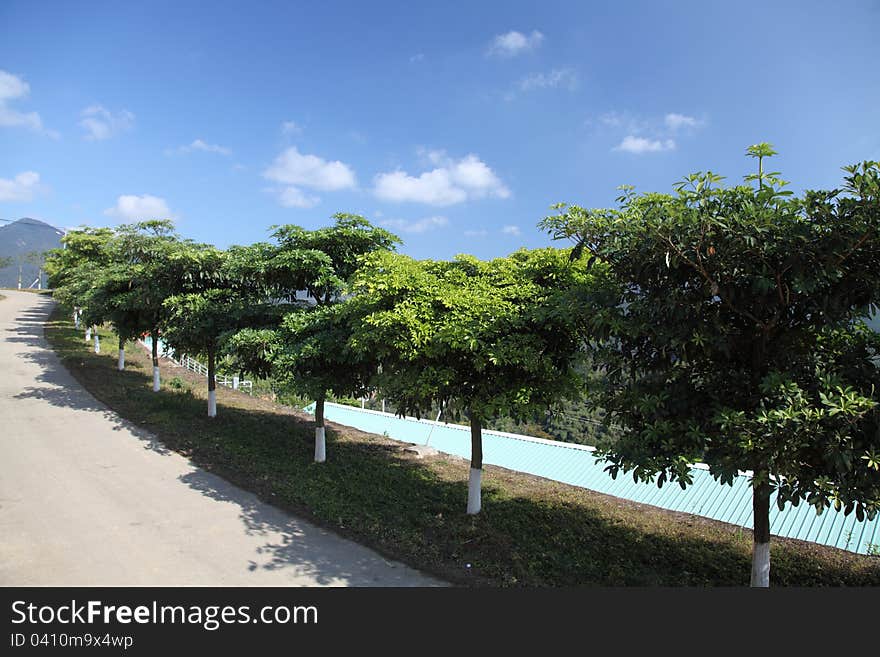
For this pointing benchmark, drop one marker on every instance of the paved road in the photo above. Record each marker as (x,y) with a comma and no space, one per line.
(88,500)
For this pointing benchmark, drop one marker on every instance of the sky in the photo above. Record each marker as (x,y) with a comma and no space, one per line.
(455,125)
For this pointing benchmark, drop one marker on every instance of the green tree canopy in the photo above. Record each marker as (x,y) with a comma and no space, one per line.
(735,337)
(497,338)
(153,264)
(306,351)
(328,256)
(72,268)
(222,295)
(199,323)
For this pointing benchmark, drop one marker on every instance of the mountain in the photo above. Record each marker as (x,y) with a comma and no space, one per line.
(18,241)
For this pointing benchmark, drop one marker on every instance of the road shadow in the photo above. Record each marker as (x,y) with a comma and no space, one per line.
(55,385)
(301,546)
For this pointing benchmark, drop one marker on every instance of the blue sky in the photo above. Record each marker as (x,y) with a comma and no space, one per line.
(454,124)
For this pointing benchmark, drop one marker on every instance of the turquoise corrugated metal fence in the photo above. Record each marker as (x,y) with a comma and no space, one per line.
(576,465)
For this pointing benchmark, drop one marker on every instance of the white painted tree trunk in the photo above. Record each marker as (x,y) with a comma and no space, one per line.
(474,502)
(97,343)
(88,333)
(121,365)
(212,403)
(235,381)
(155,379)
(76,319)
(761,565)
(320,445)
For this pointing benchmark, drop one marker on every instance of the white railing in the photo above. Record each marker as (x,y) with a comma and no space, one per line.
(194,365)
(229,381)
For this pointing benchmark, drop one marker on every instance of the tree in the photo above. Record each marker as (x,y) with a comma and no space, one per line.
(113,298)
(72,269)
(306,351)
(344,243)
(309,354)
(497,338)
(199,323)
(735,337)
(154,264)
(227,292)
(87,247)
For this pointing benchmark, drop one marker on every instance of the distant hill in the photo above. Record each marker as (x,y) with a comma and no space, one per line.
(19,239)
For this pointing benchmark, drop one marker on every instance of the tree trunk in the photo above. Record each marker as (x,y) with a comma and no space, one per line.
(212,387)
(121,364)
(88,333)
(474,502)
(761,532)
(97,340)
(76,318)
(320,440)
(154,340)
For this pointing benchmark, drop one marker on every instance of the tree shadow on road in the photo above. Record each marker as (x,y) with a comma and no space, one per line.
(299,546)
(54,384)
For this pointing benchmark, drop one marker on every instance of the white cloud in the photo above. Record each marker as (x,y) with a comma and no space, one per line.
(675,121)
(511,230)
(290,128)
(513,43)
(640,135)
(10,118)
(199,145)
(640,145)
(622,120)
(293,168)
(418,57)
(294,197)
(482,232)
(139,208)
(449,183)
(435,187)
(12,88)
(419,226)
(100,123)
(562,77)
(21,188)
(612,119)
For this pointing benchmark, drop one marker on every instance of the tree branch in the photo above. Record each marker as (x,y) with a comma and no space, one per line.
(715,287)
